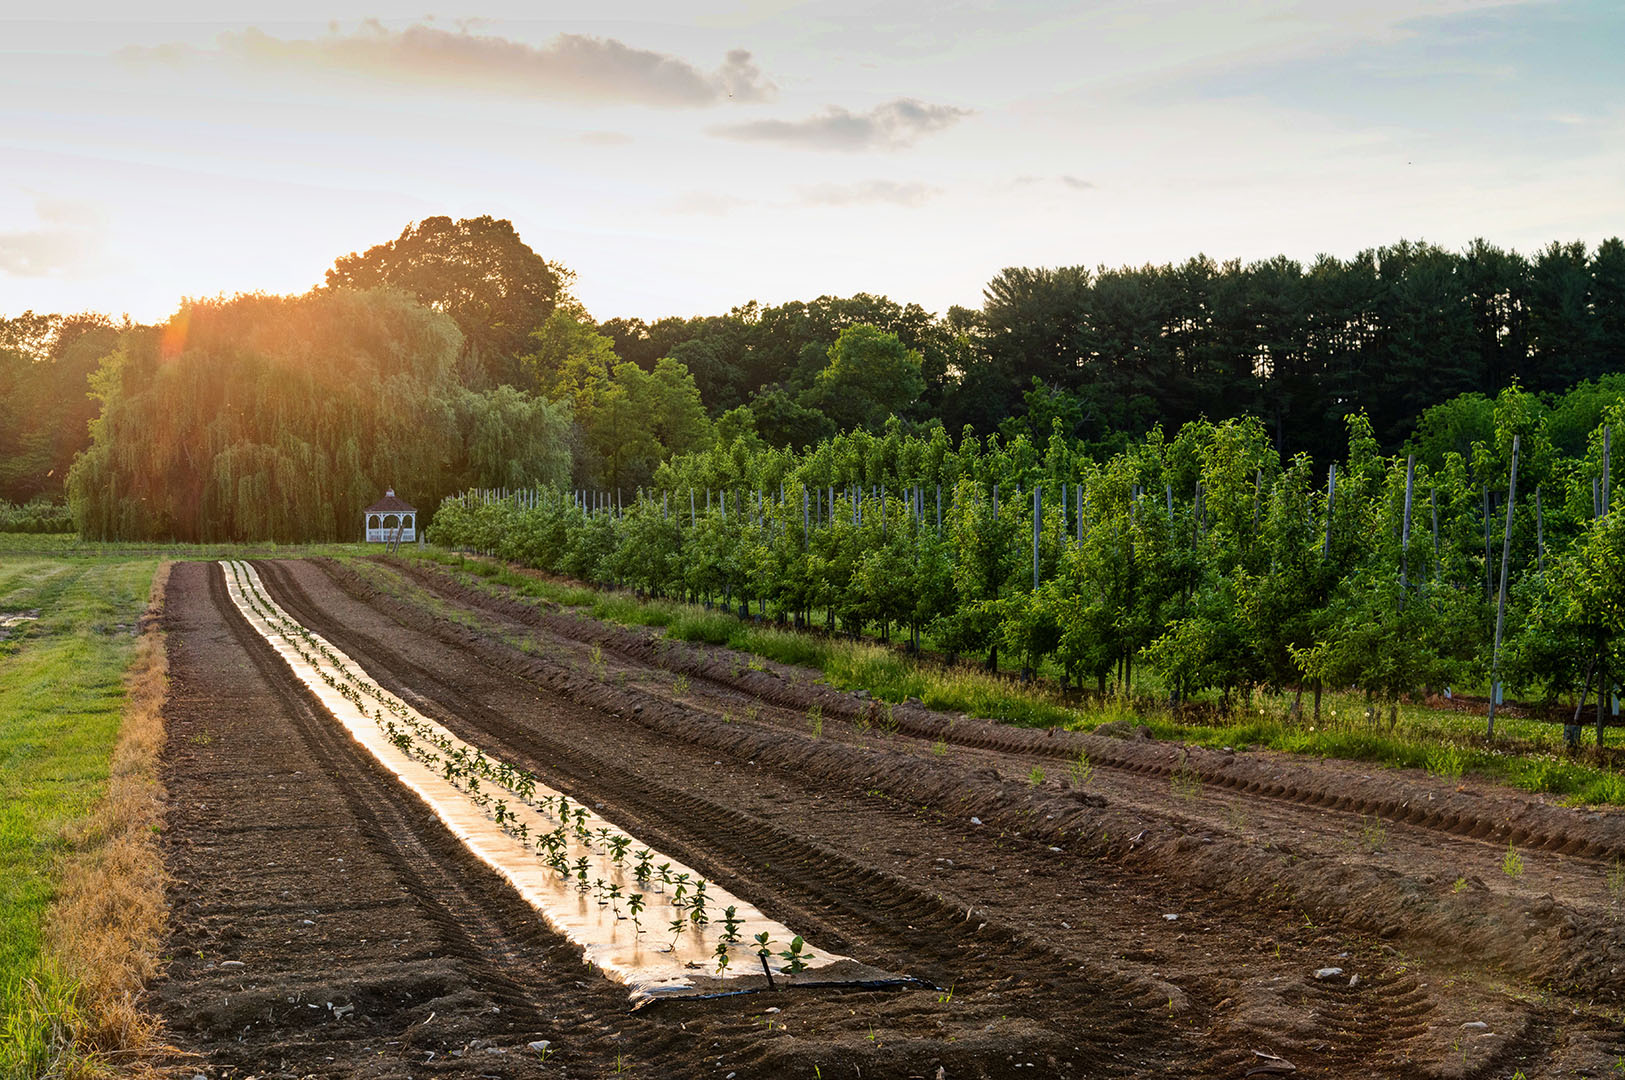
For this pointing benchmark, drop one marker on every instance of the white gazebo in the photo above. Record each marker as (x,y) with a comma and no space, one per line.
(391,519)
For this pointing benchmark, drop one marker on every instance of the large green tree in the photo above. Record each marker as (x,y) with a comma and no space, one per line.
(479,272)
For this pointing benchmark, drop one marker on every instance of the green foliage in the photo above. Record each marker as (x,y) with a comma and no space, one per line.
(282,417)
(476,270)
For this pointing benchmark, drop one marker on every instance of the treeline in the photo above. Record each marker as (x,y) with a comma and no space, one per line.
(1109,352)
(1208,557)
(45,364)
(1103,354)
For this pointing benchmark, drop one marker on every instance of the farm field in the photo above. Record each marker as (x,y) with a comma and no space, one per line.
(1148,911)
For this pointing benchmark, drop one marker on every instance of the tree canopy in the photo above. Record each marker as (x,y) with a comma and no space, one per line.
(476,270)
(268,417)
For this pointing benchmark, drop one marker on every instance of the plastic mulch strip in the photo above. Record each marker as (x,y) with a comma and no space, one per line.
(643,919)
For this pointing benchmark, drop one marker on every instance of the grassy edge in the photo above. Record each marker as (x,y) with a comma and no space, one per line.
(891,676)
(82,1014)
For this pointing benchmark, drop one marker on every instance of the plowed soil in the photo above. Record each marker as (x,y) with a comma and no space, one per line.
(1174,913)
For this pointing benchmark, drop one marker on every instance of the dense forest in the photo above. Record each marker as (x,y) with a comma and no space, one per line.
(455,355)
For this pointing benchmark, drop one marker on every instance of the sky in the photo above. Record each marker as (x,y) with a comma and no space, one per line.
(682,158)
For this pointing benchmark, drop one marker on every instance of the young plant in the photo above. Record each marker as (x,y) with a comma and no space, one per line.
(731,922)
(1035,777)
(1080,770)
(795,957)
(815,721)
(634,907)
(1512,863)
(677,927)
(721,953)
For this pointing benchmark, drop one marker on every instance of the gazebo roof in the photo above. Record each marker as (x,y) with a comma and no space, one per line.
(390,504)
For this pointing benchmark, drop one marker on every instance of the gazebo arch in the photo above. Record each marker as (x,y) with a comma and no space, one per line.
(390,519)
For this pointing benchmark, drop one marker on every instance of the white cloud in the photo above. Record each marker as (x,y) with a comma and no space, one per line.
(65,242)
(892,126)
(886,192)
(571,67)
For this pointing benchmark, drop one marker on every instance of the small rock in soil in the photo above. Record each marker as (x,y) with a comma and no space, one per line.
(1328,973)
(975,821)
(541,1045)
(1171,918)
(1476,1025)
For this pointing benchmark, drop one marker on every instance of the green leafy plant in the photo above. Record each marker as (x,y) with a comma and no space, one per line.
(1447,761)
(1080,770)
(1512,863)
(1035,777)
(795,957)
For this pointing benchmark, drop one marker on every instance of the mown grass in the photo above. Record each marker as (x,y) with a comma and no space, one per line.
(1528,754)
(15,545)
(61,701)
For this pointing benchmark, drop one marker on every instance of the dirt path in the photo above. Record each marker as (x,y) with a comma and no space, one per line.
(1054,939)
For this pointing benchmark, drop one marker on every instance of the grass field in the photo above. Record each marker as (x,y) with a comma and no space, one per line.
(61,701)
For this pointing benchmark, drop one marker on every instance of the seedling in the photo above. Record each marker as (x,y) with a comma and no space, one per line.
(1373,834)
(617,847)
(721,953)
(677,927)
(815,721)
(634,906)
(731,924)
(795,957)
(764,949)
(1512,863)
(679,685)
(1081,770)
(940,748)
(1035,777)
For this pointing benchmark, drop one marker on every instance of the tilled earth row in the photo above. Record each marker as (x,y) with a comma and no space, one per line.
(325,923)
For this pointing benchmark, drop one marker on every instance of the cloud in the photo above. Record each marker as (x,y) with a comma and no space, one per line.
(888,192)
(1076,183)
(892,126)
(67,240)
(38,253)
(571,67)
(712,204)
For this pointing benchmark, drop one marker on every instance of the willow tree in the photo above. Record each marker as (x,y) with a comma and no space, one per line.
(268,417)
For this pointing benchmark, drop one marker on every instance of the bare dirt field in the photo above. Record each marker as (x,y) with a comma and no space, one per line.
(1176,913)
